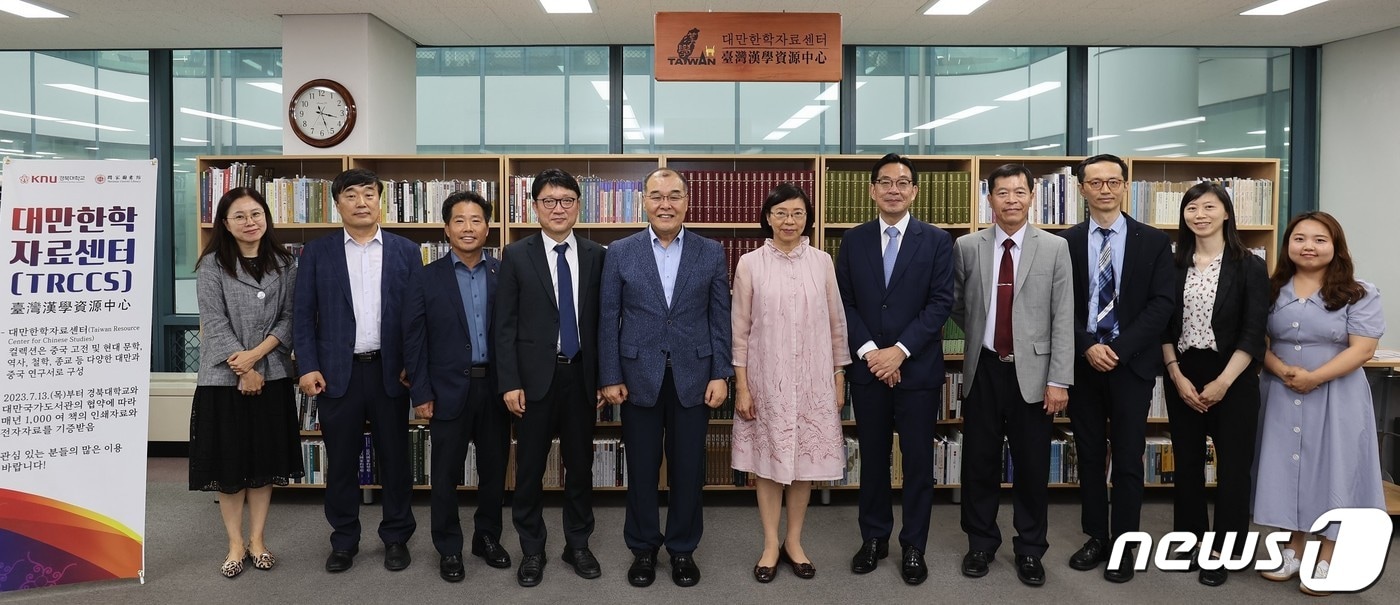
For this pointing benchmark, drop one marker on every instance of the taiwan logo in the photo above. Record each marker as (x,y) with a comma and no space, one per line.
(685,51)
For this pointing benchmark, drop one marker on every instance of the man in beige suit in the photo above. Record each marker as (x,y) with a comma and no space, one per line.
(1013,296)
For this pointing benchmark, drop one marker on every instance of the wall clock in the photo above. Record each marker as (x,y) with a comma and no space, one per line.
(322,113)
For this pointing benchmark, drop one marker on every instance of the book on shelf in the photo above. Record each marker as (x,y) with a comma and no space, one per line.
(1054,199)
(736,196)
(418,201)
(600,200)
(944,197)
(1159,202)
(290,200)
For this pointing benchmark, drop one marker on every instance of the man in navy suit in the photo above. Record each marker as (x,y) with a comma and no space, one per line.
(546,321)
(664,349)
(896,279)
(448,351)
(1123,280)
(349,348)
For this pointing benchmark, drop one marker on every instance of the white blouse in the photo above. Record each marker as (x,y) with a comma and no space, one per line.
(1198,306)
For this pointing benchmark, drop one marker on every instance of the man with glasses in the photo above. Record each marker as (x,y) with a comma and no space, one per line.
(896,279)
(546,322)
(1014,303)
(665,350)
(349,347)
(1123,280)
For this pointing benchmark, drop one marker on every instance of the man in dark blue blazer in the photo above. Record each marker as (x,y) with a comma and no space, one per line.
(896,279)
(349,348)
(448,351)
(1122,300)
(664,349)
(546,321)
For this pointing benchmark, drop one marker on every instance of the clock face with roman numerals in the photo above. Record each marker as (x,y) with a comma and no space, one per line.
(322,113)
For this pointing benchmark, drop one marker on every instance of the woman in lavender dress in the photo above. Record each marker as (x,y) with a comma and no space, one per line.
(789,354)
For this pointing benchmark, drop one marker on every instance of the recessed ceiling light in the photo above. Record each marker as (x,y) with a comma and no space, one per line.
(20,114)
(98,93)
(6,141)
(1161,147)
(189,140)
(1281,7)
(954,7)
(93,148)
(775,135)
(45,153)
(631,123)
(268,86)
(1229,150)
(634,135)
(30,10)
(810,111)
(1171,124)
(934,124)
(833,92)
(971,111)
(91,125)
(1040,147)
(1032,91)
(898,136)
(567,6)
(253,64)
(1100,137)
(1258,132)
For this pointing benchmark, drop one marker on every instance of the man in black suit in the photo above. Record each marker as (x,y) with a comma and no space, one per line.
(1122,299)
(546,321)
(896,279)
(447,352)
(349,345)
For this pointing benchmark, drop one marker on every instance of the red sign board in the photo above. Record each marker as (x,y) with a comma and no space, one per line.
(748,47)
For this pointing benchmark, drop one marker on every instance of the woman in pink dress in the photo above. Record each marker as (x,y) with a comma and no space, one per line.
(789,354)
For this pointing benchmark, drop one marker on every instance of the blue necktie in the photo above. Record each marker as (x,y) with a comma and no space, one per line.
(891,251)
(1106,322)
(568,324)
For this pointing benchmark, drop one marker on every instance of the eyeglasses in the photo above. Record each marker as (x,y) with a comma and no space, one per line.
(888,184)
(781,216)
(1097,184)
(240,218)
(1018,193)
(675,197)
(563,202)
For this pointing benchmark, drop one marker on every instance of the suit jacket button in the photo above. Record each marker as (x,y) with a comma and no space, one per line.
(884,306)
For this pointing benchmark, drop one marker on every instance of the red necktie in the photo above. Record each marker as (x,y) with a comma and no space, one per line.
(1006,284)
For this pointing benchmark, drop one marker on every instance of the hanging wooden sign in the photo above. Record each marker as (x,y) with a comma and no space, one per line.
(748,47)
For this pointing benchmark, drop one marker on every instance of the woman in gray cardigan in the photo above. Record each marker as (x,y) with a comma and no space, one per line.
(243,427)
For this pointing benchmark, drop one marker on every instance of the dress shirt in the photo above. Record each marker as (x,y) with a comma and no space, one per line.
(1118,237)
(1000,236)
(1198,306)
(902,225)
(668,260)
(365,265)
(471,284)
(571,257)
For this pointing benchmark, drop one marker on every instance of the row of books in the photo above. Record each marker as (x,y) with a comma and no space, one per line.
(1159,202)
(600,200)
(1054,200)
(737,196)
(420,201)
(943,197)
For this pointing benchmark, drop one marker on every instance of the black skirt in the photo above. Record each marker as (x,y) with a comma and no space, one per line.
(242,441)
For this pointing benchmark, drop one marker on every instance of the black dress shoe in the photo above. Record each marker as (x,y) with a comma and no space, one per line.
(806,571)
(1214,577)
(340,560)
(643,570)
(1125,569)
(490,549)
(396,557)
(869,555)
(684,572)
(1191,556)
(763,574)
(975,563)
(585,564)
(531,570)
(1029,570)
(912,567)
(451,569)
(1089,556)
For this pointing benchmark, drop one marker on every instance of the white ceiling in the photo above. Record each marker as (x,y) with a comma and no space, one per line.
(189,24)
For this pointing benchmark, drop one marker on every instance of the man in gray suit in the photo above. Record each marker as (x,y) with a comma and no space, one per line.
(1013,296)
(663,348)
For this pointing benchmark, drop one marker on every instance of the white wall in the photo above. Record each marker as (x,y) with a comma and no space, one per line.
(1360,146)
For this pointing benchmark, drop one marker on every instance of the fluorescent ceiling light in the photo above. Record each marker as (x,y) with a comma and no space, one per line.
(954,7)
(810,111)
(205,114)
(1100,137)
(631,123)
(971,111)
(792,124)
(1281,7)
(268,86)
(242,122)
(6,141)
(1171,124)
(567,6)
(98,93)
(628,113)
(634,135)
(45,153)
(20,114)
(1173,155)
(29,10)
(1257,132)
(1230,150)
(252,64)
(91,125)
(1161,147)
(189,140)
(898,136)
(833,92)
(93,148)
(934,124)
(182,171)
(1040,147)
(775,135)
(11,151)
(26,155)
(1032,91)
